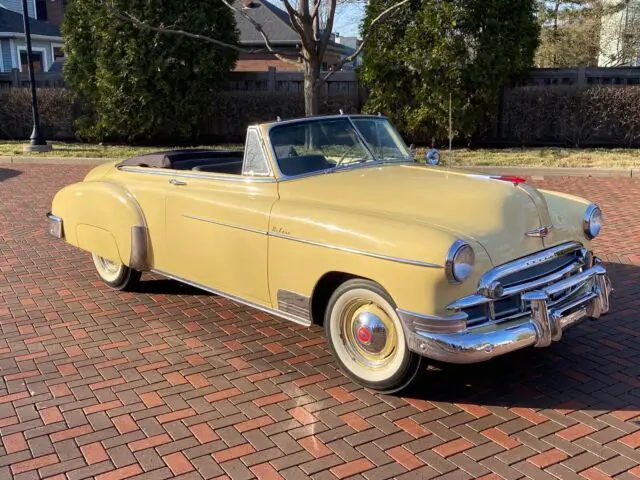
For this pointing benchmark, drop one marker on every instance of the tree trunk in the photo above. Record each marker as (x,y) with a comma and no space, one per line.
(311,88)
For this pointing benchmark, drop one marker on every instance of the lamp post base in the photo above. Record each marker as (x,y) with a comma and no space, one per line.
(37,148)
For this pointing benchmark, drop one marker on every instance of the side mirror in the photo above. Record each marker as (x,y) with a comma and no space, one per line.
(433,156)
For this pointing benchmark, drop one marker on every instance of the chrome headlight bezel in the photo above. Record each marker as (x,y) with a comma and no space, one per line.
(592,221)
(460,262)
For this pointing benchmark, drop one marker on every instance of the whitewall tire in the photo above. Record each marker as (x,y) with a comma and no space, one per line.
(367,339)
(115,274)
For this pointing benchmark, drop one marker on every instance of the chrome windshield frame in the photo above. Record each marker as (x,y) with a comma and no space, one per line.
(375,162)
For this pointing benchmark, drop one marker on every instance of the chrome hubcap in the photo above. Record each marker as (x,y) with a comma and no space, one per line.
(108,266)
(368,334)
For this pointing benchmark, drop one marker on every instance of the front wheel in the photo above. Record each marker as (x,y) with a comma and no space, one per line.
(115,274)
(367,339)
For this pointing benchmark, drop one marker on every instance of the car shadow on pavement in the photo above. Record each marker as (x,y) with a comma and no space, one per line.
(166,286)
(7,173)
(595,366)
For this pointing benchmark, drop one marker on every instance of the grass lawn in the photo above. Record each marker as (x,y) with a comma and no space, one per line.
(88,150)
(528,157)
(542,157)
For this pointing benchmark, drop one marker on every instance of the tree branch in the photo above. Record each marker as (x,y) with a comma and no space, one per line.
(372,26)
(127,17)
(328,28)
(295,18)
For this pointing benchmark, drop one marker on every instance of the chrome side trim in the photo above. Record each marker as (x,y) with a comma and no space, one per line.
(278,313)
(192,174)
(55,226)
(317,244)
(139,259)
(406,261)
(229,225)
(294,303)
(419,322)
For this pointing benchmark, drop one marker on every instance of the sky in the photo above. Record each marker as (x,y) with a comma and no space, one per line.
(347,19)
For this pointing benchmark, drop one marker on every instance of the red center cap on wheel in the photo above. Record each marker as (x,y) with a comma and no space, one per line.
(364,335)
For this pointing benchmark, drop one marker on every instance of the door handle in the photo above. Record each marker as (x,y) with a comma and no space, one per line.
(174,181)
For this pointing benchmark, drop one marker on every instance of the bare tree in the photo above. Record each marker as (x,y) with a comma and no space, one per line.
(313,21)
(589,32)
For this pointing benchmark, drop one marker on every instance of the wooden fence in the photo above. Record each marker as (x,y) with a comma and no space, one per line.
(346,82)
(583,76)
(15,78)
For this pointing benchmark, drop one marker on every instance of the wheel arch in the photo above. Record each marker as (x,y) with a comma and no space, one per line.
(324,288)
(104,218)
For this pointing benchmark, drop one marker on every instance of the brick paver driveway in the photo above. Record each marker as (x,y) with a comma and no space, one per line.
(171,381)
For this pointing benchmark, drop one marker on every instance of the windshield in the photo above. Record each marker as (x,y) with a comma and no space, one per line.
(382,139)
(323,144)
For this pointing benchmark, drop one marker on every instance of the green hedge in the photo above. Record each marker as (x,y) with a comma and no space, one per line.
(572,115)
(231,113)
(57,113)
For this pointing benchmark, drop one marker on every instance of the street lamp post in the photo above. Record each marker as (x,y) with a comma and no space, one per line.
(38,143)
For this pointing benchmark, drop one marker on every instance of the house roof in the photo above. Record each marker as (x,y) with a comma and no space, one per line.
(12,22)
(275,23)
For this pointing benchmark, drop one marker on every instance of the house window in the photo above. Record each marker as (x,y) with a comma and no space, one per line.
(41,10)
(58,53)
(38,65)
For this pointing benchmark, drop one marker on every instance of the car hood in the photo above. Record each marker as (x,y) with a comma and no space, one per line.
(496,214)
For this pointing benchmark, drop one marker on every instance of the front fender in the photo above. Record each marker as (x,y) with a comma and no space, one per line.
(406,257)
(102,217)
(567,214)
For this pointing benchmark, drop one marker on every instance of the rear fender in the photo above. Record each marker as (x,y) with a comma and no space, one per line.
(103,217)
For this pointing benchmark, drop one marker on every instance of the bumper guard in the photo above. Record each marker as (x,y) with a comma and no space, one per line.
(540,327)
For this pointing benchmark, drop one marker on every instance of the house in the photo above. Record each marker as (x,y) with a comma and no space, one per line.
(46,38)
(282,36)
(351,44)
(620,35)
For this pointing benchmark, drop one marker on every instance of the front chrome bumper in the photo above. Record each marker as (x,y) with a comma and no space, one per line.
(542,326)
(55,226)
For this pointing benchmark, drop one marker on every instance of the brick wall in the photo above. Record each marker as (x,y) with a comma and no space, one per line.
(260,62)
(55,11)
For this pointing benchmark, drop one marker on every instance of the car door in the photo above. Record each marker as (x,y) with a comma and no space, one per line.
(217,226)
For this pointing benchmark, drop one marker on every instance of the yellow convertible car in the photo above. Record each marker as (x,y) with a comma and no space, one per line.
(329,221)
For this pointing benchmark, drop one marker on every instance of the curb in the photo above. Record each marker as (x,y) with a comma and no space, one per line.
(20,159)
(541,172)
(533,172)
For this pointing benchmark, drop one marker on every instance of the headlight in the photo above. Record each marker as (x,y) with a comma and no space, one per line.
(592,222)
(460,262)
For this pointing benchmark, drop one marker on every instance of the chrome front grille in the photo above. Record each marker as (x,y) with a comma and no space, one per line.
(500,293)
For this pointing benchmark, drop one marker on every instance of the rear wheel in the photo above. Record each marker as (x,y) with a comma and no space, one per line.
(115,274)
(367,339)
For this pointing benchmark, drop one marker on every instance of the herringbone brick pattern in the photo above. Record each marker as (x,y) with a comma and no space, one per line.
(173,382)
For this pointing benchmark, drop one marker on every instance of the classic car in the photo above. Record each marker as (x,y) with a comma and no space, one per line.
(330,221)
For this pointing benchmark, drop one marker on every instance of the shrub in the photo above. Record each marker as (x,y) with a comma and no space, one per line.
(56,107)
(232,112)
(573,115)
(225,121)
(141,84)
